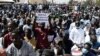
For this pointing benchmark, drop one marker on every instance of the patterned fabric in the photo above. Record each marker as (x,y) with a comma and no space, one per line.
(31,41)
(26,50)
(7,40)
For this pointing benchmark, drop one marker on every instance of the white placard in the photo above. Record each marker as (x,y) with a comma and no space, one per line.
(42,17)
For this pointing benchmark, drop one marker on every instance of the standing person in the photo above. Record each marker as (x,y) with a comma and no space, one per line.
(98,32)
(28,25)
(41,34)
(87,30)
(95,44)
(87,50)
(77,34)
(8,36)
(67,45)
(51,36)
(28,38)
(72,25)
(19,47)
(41,37)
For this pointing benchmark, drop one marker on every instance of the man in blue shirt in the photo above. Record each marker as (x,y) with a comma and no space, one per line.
(95,43)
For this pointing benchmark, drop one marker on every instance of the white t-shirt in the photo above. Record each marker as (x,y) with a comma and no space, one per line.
(87,37)
(26,50)
(39,6)
(77,36)
(1,42)
(72,26)
(98,34)
(21,22)
(27,27)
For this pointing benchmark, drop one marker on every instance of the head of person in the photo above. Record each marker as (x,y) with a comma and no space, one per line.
(28,21)
(48,53)
(9,27)
(4,21)
(87,46)
(93,38)
(28,33)
(66,36)
(17,39)
(87,17)
(77,24)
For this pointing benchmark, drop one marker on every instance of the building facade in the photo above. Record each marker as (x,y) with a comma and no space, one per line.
(38,1)
(6,1)
(31,1)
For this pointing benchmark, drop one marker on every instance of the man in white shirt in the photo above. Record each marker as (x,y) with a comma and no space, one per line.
(98,34)
(1,46)
(77,34)
(72,25)
(19,47)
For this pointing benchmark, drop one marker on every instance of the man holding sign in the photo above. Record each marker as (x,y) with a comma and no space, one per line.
(41,37)
(42,18)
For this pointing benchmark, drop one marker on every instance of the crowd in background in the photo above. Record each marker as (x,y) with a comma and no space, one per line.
(77,30)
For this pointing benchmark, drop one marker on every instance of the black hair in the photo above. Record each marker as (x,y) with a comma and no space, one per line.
(49,53)
(89,45)
(92,31)
(87,17)
(77,24)
(17,33)
(66,36)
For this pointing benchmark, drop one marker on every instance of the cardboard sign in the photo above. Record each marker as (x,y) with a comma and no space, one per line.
(42,17)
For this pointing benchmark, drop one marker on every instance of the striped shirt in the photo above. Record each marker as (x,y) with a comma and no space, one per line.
(26,50)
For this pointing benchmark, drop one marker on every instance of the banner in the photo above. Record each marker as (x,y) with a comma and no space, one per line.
(42,17)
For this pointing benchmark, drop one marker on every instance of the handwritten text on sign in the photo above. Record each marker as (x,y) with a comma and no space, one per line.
(42,17)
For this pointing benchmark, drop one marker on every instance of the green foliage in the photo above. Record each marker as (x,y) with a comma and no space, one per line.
(98,2)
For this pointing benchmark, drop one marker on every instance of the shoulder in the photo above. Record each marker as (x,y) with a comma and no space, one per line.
(26,45)
(72,23)
(10,47)
(98,43)
(74,29)
(6,35)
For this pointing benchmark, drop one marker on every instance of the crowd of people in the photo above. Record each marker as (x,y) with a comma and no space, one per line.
(75,33)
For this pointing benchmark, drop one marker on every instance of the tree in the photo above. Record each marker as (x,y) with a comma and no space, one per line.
(71,1)
(88,2)
(98,2)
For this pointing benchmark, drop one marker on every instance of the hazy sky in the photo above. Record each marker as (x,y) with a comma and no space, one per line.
(60,1)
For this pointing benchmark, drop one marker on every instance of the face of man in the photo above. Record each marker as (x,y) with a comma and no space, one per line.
(28,21)
(9,27)
(77,24)
(28,33)
(93,38)
(17,40)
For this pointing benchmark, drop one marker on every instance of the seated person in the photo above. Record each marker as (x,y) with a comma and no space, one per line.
(95,44)
(87,50)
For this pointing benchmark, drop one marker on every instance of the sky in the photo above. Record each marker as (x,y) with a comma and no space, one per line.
(59,1)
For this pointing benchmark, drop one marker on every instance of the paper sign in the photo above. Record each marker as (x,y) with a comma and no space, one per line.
(42,17)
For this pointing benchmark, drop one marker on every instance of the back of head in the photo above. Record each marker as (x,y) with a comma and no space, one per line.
(77,24)
(48,53)
(66,37)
